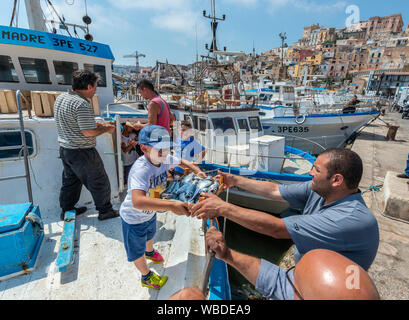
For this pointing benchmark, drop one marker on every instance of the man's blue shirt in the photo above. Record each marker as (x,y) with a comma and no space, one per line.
(345,226)
(188,149)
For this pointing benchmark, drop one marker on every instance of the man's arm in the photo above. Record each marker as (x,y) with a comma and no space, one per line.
(257,221)
(193,167)
(268,278)
(248,266)
(262,188)
(153,111)
(98,131)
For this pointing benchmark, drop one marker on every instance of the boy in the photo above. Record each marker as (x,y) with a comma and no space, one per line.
(138,211)
(187,148)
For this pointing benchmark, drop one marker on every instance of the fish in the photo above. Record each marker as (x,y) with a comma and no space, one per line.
(188,178)
(205,183)
(214,187)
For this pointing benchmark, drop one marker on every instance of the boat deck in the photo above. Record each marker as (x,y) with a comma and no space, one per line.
(101,270)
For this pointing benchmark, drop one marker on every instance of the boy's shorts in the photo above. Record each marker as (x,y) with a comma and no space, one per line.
(136,236)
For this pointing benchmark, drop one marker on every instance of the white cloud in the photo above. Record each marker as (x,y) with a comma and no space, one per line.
(308,5)
(179,16)
(247,3)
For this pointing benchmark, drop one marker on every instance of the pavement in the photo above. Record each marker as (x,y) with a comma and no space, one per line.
(390,270)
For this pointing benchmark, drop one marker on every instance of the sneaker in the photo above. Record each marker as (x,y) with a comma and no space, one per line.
(154,281)
(108,215)
(78,211)
(156,257)
(402,175)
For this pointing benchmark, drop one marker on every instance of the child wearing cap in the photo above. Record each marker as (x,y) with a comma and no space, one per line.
(138,211)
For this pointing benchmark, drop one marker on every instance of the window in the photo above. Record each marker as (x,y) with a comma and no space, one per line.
(255,123)
(64,70)
(7,70)
(35,70)
(10,144)
(243,124)
(202,124)
(224,124)
(100,70)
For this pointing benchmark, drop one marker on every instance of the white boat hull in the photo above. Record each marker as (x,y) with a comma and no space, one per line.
(329,131)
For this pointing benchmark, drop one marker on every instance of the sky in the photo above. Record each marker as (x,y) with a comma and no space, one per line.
(175,30)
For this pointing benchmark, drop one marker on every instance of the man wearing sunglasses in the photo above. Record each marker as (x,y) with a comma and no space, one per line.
(334,214)
(319,275)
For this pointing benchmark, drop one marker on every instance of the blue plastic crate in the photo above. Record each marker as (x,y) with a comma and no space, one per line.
(21,235)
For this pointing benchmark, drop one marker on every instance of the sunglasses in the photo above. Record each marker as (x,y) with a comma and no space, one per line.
(292,284)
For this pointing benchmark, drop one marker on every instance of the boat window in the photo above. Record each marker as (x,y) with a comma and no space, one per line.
(224,124)
(255,123)
(100,70)
(35,70)
(202,124)
(7,70)
(243,124)
(195,122)
(10,144)
(64,70)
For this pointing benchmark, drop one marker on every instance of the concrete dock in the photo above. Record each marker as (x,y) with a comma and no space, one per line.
(390,270)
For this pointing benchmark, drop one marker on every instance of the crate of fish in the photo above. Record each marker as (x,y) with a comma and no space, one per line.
(188,188)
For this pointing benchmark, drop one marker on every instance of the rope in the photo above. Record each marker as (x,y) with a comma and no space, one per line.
(375,189)
(62,22)
(14,12)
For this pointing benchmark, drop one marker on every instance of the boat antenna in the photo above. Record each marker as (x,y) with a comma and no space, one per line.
(214,24)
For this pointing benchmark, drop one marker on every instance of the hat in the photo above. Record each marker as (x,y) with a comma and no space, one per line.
(155,136)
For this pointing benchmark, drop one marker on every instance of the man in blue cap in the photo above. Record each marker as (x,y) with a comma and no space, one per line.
(138,211)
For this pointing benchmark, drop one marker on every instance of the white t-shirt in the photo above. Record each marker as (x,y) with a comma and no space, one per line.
(147,177)
(131,156)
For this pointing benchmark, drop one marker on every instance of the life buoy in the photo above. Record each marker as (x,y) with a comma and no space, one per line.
(302,119)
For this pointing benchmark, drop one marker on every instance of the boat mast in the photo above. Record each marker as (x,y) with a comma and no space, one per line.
(214,24)
(35,15)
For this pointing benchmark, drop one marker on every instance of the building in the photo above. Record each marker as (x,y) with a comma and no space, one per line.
(388,82)
(391,24)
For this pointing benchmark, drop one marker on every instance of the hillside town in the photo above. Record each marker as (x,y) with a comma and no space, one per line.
(367,57)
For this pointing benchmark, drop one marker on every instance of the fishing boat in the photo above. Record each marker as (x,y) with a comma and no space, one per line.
(80,257)
(309,118)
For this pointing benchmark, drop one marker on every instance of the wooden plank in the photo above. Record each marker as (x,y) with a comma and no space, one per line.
(51,99)
(11,101)
(66,252)
(3,102)
(95,105)
(36,102)
(46,104)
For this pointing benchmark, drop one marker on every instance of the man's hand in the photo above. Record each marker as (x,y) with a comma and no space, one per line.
(180,208)
(216,242)
(138,126)
(212,206)
(201,174)
(229,180)
(111,128)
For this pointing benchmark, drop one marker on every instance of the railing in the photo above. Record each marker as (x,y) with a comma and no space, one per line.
(209,261)
(124,103)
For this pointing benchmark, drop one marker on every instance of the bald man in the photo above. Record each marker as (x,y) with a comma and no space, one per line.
(319,275)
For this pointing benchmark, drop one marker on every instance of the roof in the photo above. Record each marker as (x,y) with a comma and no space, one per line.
(51,41)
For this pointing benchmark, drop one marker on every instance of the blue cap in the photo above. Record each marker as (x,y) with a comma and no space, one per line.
(155,136)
